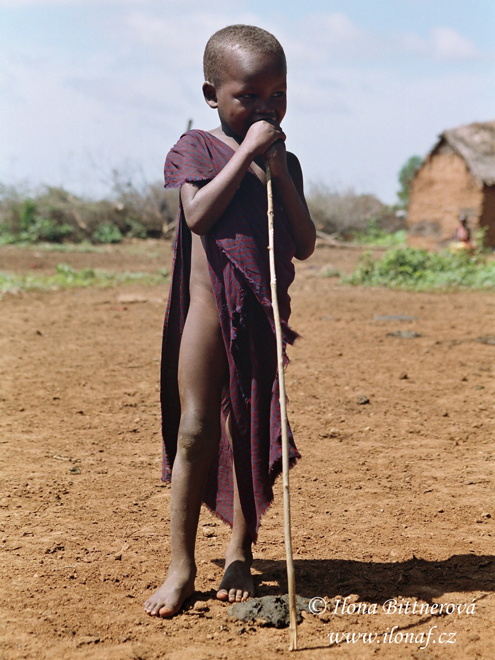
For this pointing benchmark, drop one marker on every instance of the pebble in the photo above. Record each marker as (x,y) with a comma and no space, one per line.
(208,532)
(87,639)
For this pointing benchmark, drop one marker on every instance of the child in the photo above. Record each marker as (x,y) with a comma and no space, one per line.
(462,233)
(220,407)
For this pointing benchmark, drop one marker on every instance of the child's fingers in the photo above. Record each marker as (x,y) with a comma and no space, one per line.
(276,147)
(262,134)
(269,127)
(280,135)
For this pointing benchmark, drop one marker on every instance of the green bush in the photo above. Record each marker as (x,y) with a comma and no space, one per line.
(6,235)
(56,216)
(46,229)
(419,270)
(33,226)
(136,228)
(406,176)
(107,233)
(27,215)
(375,235)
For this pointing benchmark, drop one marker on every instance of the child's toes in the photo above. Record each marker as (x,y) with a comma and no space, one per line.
(166,612)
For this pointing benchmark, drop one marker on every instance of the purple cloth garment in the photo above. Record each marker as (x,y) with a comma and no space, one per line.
(236,250)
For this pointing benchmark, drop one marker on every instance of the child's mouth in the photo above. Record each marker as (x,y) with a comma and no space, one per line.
(269,118)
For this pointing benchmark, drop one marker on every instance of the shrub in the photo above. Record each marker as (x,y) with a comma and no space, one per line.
(150,205)
(416,269)
(136,229)
(33,226)
(107,233)
(46,229)
(347,213)
(6,236)
(27,215)
(379,237)
(406,176)
(56,215)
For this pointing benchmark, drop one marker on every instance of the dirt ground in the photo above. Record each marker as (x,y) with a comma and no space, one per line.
(393,501)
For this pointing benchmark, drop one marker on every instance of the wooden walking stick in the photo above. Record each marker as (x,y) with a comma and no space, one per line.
(291,578)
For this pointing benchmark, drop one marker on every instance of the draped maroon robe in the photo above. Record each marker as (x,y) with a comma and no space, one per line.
(236,250)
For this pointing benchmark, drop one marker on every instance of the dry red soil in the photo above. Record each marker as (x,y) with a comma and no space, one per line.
(393,499)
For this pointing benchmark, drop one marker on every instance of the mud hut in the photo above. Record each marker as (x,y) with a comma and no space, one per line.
(458,176)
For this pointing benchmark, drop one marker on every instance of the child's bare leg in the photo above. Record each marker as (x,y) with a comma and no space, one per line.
(202,373)
(237,583)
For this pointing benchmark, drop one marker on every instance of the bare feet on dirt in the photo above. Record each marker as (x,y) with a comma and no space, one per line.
(237,582)
(167,601)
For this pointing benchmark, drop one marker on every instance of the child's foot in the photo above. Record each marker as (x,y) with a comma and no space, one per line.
(237,582)
(169,598)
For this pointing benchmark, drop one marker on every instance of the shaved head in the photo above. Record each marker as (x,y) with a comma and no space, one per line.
(238,37)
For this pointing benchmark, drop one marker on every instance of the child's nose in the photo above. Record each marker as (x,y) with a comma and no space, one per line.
(265,106)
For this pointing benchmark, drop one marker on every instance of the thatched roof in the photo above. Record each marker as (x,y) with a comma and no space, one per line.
(475,143)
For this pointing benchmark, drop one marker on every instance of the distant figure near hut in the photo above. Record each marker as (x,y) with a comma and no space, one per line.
(462,237)
(457,179)
(462,233)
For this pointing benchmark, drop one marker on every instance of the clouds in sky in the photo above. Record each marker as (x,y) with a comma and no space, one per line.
(443,43)
(19,4)
(87,86)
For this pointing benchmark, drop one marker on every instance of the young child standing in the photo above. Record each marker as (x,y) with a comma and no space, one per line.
(220,405)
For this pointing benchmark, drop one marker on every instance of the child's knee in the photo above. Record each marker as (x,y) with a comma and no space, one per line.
(198,437)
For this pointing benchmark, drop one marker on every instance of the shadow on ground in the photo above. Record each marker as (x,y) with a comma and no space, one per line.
(377,582)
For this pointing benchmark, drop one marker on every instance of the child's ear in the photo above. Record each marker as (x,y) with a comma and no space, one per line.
(210,94)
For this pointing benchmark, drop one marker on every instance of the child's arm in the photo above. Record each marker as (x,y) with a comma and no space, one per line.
(204,204)
(288,179)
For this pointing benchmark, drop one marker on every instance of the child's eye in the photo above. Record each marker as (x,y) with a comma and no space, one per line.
(279,95)
(247,96)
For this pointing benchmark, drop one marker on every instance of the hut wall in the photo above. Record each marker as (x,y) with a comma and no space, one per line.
(488,214)
(442,188)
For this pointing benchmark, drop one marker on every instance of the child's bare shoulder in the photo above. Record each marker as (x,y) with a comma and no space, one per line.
(295,170)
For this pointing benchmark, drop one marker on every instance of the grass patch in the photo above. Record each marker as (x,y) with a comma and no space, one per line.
(83,247)
(67,277)
(380,238)
(137,248)
(375,236)
(418,270)
(331,272)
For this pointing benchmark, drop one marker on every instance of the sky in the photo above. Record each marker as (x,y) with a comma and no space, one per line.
(89,86)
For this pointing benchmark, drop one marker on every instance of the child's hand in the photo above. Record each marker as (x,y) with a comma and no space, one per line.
(260,136)
(276,157)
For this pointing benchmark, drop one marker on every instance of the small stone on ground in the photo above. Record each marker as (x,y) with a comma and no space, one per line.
(404,334)
(272,610)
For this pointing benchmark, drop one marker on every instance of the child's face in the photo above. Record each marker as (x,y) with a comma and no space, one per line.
(253,87)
